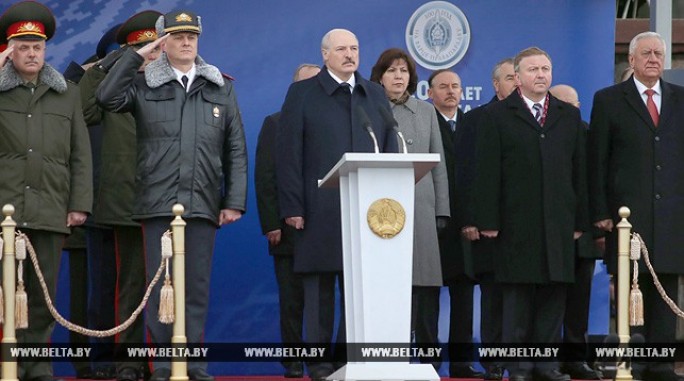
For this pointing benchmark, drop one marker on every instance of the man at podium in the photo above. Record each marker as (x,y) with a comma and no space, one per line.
(322,118)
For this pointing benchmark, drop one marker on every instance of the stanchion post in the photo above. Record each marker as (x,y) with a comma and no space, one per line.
(179,367)
(623,280)
(9,282)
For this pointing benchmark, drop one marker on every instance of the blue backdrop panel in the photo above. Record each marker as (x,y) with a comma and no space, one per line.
(260,43)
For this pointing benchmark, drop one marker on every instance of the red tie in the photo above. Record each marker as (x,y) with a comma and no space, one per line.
(651,106)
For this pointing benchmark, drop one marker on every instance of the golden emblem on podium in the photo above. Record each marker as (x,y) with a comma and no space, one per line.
(386,217)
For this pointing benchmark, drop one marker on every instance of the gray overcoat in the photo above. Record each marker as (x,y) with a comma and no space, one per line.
(418,123)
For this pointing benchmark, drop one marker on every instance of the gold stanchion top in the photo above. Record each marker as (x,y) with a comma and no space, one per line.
(8,210)
(624,212)
(178,210)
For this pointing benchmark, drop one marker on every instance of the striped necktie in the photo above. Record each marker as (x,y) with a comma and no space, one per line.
(537,112)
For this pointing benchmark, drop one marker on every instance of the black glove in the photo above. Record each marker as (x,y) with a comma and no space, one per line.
(108,62)
(442,223)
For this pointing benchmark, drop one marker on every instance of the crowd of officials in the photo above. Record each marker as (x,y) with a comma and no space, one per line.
(522,203)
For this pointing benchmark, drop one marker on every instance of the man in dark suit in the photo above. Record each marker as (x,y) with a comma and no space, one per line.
(280,235)
(576,320)
(445,91)
(636,147)
(483,251)
(531,198)
(320,122)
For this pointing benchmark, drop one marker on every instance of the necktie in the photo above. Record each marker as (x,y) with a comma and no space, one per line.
(185,82)
(651,106)
(344,96)
(537,112)
(452,124)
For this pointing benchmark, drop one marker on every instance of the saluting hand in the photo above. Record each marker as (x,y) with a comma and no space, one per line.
(147,49)
(5,56)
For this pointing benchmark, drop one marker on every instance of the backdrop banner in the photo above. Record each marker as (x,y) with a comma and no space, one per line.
(260,43)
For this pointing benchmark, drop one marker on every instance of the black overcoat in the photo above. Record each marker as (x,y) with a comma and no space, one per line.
(465,144)
(266,187)
(319,123)
(641,166)
(531,187)
(455,255)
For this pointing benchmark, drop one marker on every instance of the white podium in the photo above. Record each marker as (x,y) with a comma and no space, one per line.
(377,270)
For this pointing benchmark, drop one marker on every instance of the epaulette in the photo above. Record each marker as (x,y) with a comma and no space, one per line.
(228,76)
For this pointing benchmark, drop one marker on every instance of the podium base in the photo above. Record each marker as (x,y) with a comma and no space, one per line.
(380,371)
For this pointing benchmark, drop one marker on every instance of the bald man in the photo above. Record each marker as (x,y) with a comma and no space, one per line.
(566,93)
(318,125)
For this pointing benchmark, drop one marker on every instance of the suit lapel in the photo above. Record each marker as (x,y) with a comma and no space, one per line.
(553,113)
(444,126)
(634,99)
(516,102)
(667,103)
(455,136)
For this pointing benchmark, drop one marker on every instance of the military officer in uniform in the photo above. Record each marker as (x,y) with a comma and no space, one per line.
(190,150)
(116,190)
(45,160)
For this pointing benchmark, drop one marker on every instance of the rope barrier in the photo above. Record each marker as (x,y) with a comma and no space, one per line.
(663,294)
(77,328)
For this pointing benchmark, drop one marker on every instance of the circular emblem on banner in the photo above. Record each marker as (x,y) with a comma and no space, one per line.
(437,35)
(386,217)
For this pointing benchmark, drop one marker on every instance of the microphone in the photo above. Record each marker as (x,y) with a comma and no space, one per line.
(637,338)
(366,123)
(390,121)
(609,364)
(612,340)
(635,341)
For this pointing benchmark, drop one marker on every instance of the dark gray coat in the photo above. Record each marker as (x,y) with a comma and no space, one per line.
(531,187)
(637,165)
(318,125)
(191,147)
(418,123)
